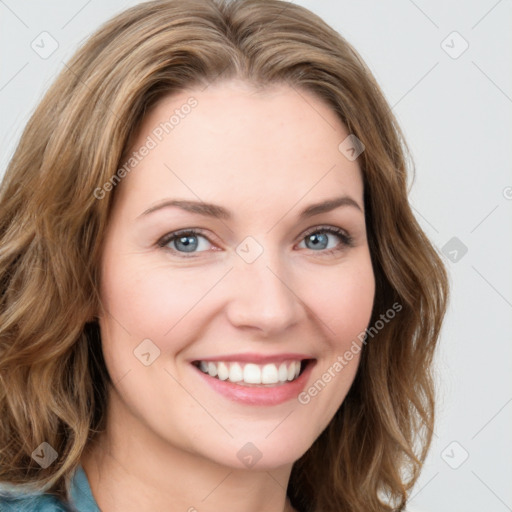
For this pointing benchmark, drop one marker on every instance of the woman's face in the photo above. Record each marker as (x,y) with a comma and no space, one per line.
(264,284)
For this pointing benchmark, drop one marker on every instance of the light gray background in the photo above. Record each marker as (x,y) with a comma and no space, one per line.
(456,114)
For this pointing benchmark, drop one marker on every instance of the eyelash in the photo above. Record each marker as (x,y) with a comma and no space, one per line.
(346,239)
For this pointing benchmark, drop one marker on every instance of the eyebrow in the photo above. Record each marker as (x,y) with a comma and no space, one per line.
(219,212)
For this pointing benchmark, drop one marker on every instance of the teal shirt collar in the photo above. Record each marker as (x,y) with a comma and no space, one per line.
(81,498)
(81,493)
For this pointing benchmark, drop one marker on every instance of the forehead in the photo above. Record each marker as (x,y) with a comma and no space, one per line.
(238,144)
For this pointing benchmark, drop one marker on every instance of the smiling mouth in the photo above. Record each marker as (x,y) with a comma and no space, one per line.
(251,374)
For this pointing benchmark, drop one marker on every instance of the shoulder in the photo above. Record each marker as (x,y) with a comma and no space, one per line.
(10,502)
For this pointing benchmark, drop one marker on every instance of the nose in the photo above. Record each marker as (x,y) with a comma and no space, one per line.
(263,297)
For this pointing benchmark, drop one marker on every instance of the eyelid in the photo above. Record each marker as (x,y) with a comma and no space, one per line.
(344,235)
(168,237)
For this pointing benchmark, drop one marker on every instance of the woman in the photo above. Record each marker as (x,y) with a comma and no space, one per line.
(215,295)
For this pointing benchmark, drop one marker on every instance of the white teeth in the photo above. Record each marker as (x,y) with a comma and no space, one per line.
(222,369)
(251,373)
(291,371)
(269,374)
(212,369)
(283,373)
(235,373)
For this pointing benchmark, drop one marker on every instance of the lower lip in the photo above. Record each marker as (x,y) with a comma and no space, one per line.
(255,395)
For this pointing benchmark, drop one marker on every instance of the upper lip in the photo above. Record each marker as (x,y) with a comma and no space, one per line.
(249,357)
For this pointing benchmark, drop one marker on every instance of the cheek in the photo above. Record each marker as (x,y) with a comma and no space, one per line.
(343,305)
(147,300)
(150,299)
(343,301)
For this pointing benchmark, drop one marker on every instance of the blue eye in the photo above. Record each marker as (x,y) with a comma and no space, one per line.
(318,239)
(188,241)
(185,241)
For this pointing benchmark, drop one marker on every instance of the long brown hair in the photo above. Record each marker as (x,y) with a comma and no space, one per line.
(53,380)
